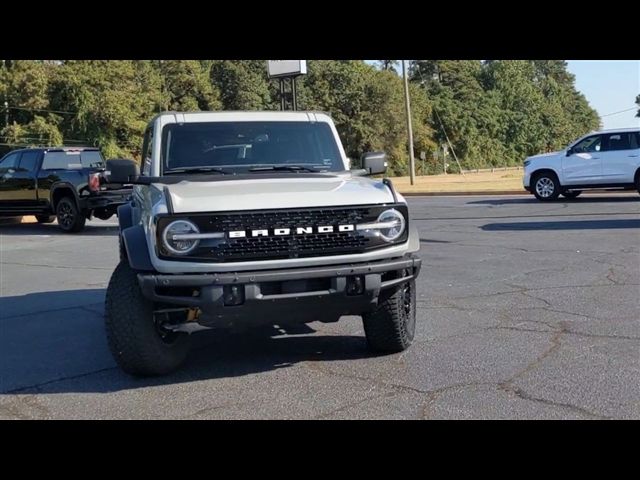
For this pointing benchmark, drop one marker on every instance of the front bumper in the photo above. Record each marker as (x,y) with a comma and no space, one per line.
(526,180)
(281,296)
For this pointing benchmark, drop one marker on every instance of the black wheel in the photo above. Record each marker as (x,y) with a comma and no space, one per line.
(138,343)
(391,326)
(45,218)
(70,219)
(546,186)
(572,193)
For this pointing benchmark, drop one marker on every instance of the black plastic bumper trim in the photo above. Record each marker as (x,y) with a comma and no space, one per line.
(372,271)
(204,279)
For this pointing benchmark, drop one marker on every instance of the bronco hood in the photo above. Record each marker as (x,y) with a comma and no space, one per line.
(259,192)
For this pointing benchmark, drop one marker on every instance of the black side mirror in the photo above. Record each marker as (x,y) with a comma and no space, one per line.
(374,163)
(121,170)
(570,152)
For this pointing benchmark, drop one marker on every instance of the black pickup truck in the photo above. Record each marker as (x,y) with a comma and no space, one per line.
(64,183)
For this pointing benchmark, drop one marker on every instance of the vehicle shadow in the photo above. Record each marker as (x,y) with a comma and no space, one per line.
(564,225)
(63,349)
(90,229)
(616,198)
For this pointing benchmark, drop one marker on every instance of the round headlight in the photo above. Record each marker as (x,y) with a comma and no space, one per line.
(173,237)
(394,224)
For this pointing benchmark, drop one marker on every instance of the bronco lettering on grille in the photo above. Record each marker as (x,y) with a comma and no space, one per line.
(279,232)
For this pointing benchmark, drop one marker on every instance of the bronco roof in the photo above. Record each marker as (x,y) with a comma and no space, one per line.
(246,116)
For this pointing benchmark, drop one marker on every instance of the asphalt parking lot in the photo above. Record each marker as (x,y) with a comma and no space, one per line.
(526,310)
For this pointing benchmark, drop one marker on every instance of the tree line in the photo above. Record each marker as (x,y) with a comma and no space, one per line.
(491,112)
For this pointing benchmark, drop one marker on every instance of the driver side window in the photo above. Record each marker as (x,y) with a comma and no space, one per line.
(10,161)
(588,145)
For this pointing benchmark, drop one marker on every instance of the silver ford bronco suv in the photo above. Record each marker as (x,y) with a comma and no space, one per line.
(254,218)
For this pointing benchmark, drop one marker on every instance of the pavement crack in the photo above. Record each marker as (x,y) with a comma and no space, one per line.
(433,395)
(38,386)
(51,310)
(554,345)
(65,267)
(214,408)
(520,393)
(26,407)
(355,403)
(526,290)
(527,294)
(610,276)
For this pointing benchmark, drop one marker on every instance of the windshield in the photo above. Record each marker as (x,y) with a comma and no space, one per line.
(239,147)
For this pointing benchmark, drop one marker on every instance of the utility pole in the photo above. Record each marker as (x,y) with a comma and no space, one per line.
(444,158)
(6,113)
(407,104)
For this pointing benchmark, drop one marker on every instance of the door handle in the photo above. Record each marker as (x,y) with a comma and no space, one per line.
(632,156)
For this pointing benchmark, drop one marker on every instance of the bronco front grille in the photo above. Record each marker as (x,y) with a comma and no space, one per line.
(273,247)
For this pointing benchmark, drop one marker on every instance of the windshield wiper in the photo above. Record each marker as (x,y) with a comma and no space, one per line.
(286,168)
(221,171)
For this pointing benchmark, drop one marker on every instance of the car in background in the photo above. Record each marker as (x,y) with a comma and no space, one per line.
(608,159)
(64,183)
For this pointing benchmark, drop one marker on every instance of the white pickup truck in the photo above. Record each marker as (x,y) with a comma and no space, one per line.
(606,159)
(250,218)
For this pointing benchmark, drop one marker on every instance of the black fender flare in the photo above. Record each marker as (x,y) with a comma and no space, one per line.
(125,216)
(67,186)
(135,243)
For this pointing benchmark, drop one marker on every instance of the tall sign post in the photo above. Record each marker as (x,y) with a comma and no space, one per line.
(285,70)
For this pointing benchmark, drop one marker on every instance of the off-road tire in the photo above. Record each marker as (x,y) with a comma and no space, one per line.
(390,328)
(133,338)
(70,218)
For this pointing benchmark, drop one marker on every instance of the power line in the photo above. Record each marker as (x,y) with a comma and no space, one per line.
(615,113)
(39,110)
(8,137)
(444,130)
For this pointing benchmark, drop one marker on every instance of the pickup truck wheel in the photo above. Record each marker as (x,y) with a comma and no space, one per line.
(70,219)
(136,342)
(546,186)
(45,218)
(391,326)
(571,194)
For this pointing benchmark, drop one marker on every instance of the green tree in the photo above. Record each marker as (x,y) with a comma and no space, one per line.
(25,85)
(186,85)
(497,112)
(243,84)
(367,106)
(111,101)
(390,65)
